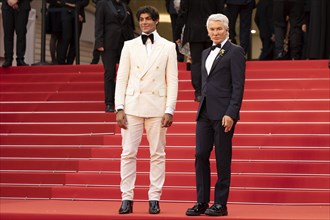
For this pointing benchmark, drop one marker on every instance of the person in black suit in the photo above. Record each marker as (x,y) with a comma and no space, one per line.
(244,9)
(81,19)
(15,16)
(96,53)
(54,27)
(316,27)
(223,78)
(264,20)
(172,7)
(284,12)
(113,26)
(193,15)
(68,28)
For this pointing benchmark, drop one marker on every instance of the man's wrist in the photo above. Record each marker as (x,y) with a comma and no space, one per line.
(118,110)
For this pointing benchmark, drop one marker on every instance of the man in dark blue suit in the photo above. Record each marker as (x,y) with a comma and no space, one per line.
(223,77)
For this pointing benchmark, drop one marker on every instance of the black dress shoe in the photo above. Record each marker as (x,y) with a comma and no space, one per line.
(109,108)
(197,209)
(217,210)
(154,207)
(126,207)
(21,63)
(7,63)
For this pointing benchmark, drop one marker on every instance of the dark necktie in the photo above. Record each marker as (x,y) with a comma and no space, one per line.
(145,38)
(215,46)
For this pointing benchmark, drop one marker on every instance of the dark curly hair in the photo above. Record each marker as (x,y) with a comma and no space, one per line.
(152,11)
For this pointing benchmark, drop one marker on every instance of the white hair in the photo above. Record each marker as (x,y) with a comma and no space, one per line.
(218,17)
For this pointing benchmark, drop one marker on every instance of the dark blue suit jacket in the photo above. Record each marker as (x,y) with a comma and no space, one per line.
(223,88)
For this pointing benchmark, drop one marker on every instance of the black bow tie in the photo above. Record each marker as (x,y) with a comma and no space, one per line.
(215,46)
(145,38)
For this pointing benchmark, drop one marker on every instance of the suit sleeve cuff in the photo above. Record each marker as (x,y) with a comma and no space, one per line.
(118,107)
(169,110)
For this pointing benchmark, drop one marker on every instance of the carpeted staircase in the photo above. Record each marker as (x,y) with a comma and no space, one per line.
(57,142)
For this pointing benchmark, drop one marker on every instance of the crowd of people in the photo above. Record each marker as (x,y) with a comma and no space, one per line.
(288,29)
(293,29)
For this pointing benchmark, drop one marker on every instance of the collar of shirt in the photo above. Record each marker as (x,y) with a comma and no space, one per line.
(156,35)
(212,56)
(222,44)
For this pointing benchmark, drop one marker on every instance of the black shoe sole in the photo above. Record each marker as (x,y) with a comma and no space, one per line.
(216,214)
(127,212)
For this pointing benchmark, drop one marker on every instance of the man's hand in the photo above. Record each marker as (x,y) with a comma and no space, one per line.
(81,19)
(70,5)
(167,120)
(121,119)
(227,122)
(100,49)
(13,3)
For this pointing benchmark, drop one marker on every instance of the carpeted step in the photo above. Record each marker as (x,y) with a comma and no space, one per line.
(178,152)
(169,194)
(95,75)
(254,73)
(104,210)
(180,116)
(246,128)
(66,128)
(288,65)
(263,67)
(189,105)
(57,116)
(172,165)
(182,95)
(320,83)
(171,140)
(262,181)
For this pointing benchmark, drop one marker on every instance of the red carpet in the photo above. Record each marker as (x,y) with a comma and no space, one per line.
(101,210)
(57,144)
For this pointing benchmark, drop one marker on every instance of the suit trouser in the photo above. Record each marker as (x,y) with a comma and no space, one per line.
(72,47)
(15,20)
(131,140)
(174,17)
(295,11)
(67,20)
(209,133)
(196,49)
(245,12)
(110,58)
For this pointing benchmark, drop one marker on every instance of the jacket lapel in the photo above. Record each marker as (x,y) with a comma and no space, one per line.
(204,71)
(226,48)
(157,48)
(113,9)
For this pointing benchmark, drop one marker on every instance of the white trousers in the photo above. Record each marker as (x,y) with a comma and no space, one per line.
(131,139)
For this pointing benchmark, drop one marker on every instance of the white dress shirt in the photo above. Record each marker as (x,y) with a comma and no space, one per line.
(213,56)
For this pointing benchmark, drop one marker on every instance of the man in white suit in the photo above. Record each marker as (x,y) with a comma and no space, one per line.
(145,97)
